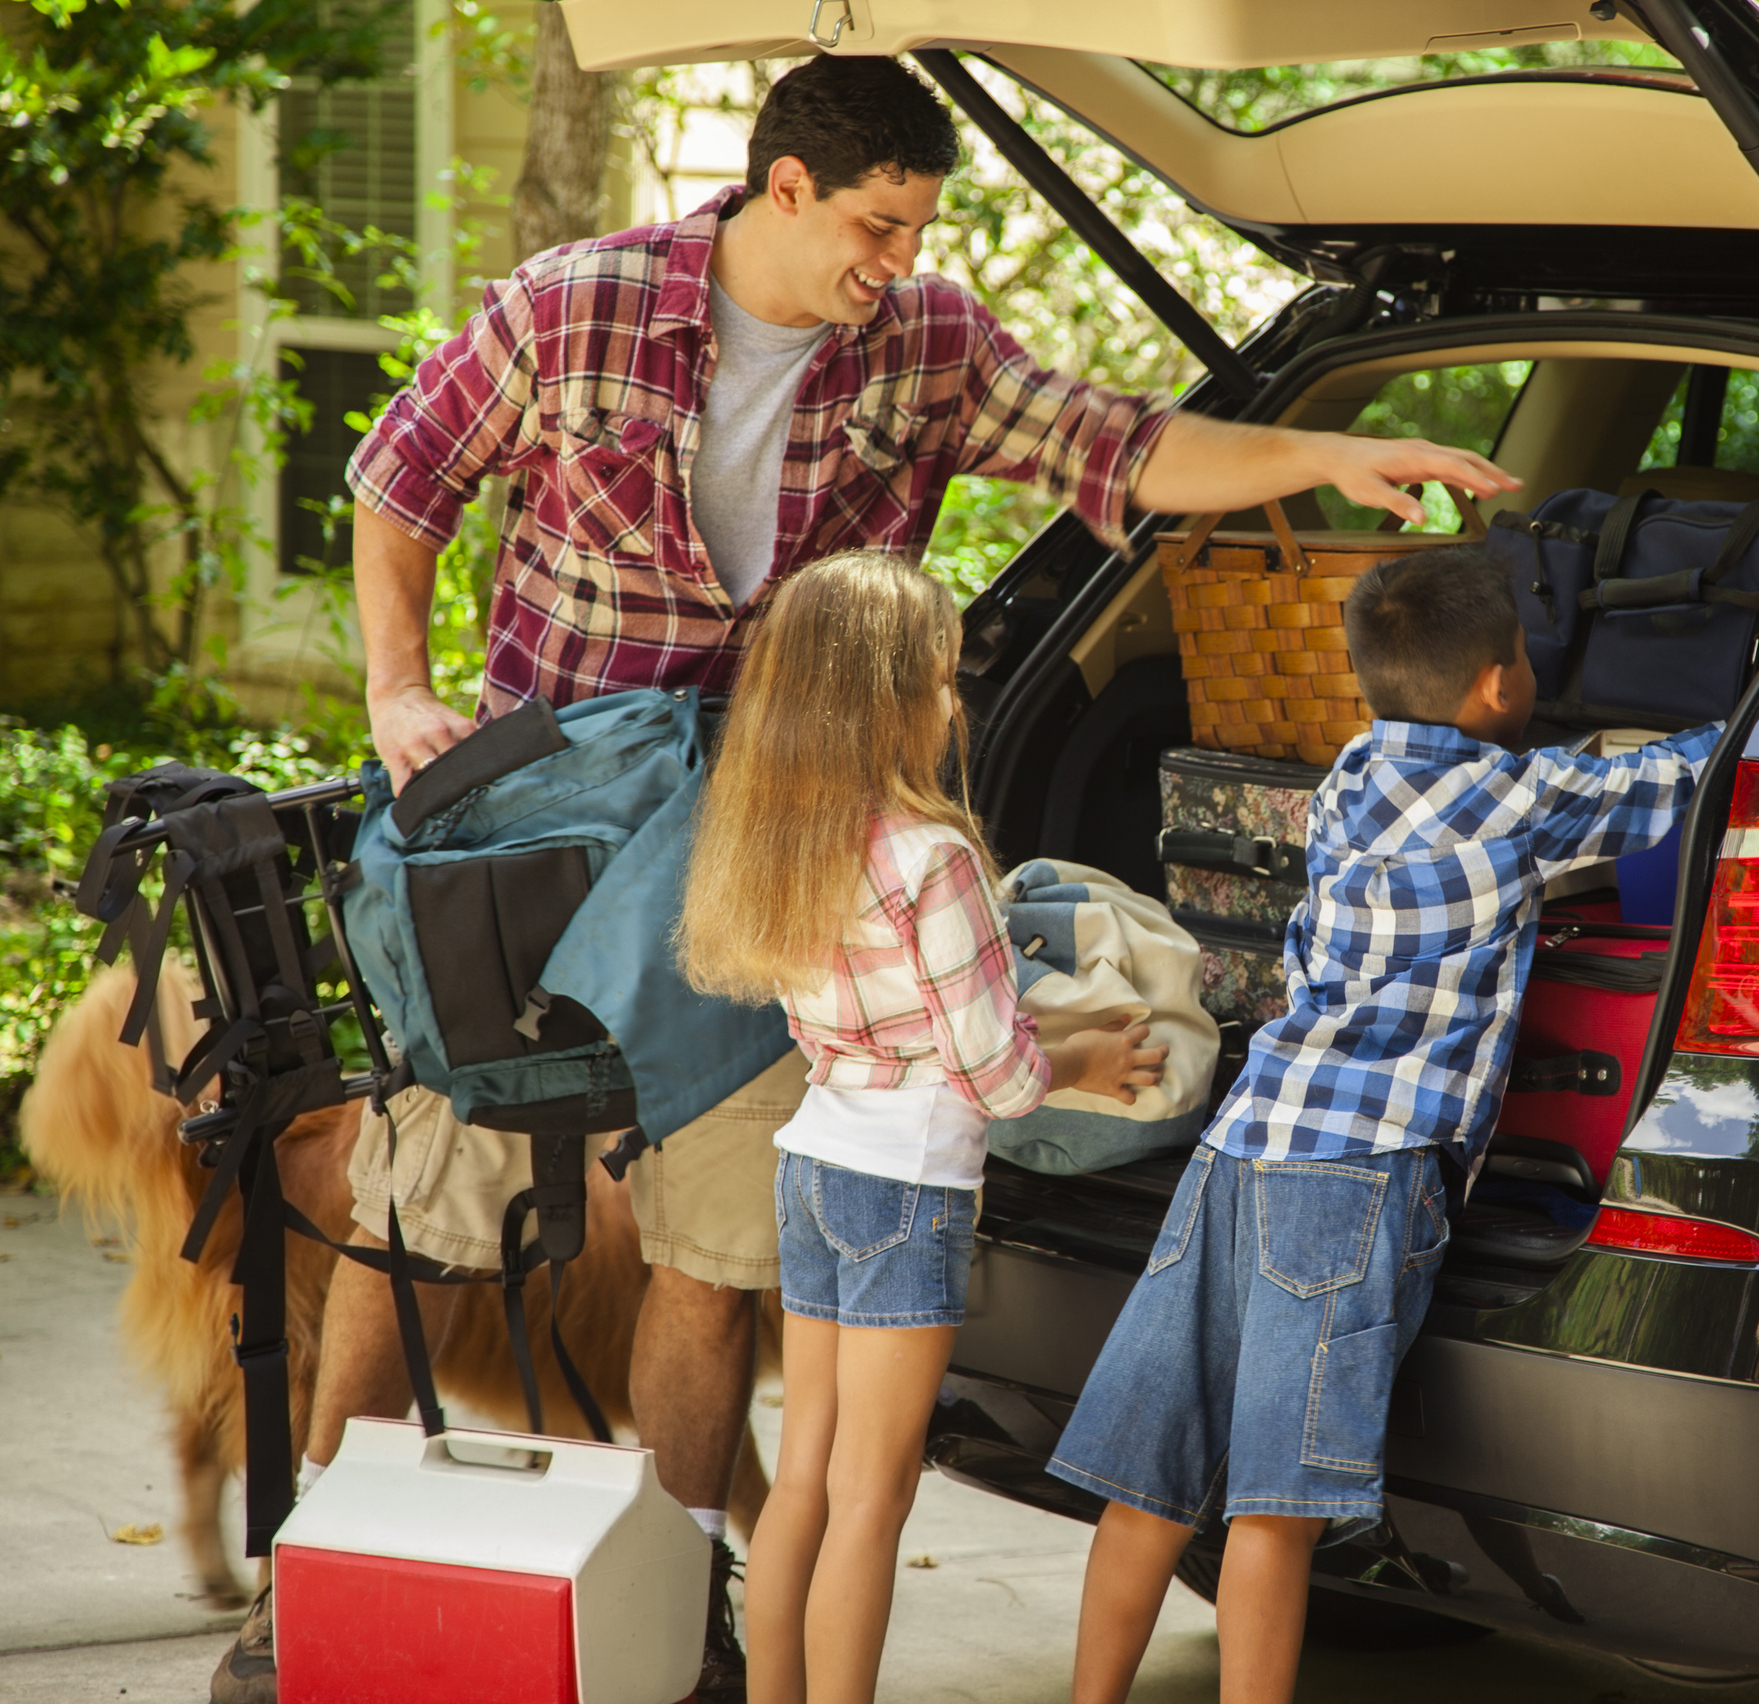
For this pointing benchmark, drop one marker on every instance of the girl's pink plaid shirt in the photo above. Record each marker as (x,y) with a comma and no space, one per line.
(922,989)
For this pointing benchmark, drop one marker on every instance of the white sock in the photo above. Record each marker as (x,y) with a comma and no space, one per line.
(309,1474)
(712,1521)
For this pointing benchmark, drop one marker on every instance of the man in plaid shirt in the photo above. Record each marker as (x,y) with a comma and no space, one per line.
(658,488)
(1254,1360)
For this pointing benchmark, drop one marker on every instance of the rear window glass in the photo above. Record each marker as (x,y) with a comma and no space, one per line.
(1735,443)
(1256,98)
(1461,406)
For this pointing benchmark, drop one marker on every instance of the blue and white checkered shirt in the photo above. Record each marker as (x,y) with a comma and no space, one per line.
(1427,854)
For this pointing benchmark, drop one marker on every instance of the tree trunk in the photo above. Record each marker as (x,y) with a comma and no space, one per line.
(560,194)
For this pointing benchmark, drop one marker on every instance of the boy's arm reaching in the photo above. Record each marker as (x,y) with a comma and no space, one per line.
(1592,808)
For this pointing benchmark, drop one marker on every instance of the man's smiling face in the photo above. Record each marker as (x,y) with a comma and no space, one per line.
(846,250)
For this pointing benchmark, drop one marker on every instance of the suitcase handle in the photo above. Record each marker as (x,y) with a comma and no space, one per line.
(1595,1074)
(1251,855)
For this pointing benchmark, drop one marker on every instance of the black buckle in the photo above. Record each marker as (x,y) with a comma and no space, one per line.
(258,1355)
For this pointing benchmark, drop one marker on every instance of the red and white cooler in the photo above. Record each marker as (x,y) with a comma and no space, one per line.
(487,1568)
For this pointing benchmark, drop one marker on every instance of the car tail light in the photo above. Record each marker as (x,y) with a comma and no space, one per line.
(1668,1233)
(1722,1004)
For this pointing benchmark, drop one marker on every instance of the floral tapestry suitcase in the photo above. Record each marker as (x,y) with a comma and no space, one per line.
(1234,832)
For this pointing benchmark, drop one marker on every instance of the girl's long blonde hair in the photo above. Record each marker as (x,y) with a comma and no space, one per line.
(836,719)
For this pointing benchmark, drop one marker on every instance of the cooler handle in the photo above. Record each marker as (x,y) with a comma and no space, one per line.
(441,1454)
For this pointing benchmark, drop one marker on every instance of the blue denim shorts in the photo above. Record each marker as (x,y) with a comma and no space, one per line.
(871,1251)
(1252,1365)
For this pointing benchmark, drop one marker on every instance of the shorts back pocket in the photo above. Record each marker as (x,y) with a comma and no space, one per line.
(1316,1222)
(861,1215)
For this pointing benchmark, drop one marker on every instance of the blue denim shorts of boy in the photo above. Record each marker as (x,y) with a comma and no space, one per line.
(1253,1363)
(871,1251)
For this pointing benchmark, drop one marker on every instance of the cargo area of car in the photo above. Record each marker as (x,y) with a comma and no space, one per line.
(1580,406)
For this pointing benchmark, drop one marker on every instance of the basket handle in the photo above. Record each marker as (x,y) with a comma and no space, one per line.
(1294,557)
(1470,519)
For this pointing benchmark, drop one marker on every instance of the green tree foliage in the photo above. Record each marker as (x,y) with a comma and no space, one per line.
(1737,437)
(105,106)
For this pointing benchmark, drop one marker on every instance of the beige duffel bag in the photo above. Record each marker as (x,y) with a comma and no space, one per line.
(1089,950)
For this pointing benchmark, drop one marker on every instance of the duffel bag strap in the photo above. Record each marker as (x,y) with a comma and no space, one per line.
(1611,591)
(1743,529)
(1609,559)
(1254,856)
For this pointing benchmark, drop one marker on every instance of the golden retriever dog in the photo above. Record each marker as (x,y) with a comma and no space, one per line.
(95,1128)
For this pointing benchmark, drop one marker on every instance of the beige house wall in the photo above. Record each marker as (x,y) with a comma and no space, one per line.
(61,624)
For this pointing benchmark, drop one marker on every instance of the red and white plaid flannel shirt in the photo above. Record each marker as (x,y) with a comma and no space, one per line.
(582,379)
(922,990)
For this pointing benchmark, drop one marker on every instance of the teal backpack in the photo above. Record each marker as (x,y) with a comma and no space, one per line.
(511,914)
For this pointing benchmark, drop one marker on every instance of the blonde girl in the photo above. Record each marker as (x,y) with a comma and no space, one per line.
(832,869)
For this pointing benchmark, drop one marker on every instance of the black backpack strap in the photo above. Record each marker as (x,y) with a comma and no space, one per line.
(513,1274)
(265,1105)
(558,1197)
(180,867)
(259,1345)
(577,1388)
(409,1328)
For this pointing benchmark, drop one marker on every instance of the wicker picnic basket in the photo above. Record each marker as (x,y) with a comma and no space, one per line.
(1260,620)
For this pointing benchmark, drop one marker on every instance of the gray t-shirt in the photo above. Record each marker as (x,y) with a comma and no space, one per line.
(736,478)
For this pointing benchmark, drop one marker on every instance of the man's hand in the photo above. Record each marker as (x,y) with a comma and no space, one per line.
(1198,466)
(1110,1061)
(394,590)
(1371,471)
(411,728)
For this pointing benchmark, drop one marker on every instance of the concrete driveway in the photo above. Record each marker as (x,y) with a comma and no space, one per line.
(987,1591)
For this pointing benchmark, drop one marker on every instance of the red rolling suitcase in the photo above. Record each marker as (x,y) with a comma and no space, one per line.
(1584,1023)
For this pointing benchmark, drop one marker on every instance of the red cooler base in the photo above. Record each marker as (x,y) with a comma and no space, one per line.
(374,1630)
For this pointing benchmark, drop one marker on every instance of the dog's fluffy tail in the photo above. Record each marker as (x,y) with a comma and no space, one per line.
(95,1128)
(93,1124)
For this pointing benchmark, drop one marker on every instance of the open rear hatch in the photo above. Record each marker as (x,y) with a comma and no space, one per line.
(1594,181)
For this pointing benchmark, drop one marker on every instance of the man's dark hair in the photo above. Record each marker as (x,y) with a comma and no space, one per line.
(1421,628)
(845,117)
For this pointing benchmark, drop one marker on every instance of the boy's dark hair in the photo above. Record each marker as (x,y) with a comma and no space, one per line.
(845,117)
(1420,628)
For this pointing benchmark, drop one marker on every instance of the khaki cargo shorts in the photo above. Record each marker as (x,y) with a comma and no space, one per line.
(705,1203)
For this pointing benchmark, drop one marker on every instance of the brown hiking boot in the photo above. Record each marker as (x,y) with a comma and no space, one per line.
(723,1663)
(246,1674)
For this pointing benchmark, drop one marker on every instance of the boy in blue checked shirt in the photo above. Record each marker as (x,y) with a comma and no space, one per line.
(1255,1357)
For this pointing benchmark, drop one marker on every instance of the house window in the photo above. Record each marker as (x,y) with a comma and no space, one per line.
(336,382)
(356,151)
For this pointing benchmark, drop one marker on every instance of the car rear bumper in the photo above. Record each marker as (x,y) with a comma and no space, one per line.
(1561,1486)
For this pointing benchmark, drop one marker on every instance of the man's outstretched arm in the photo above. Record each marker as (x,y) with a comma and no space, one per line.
(1197,465)
(394,591)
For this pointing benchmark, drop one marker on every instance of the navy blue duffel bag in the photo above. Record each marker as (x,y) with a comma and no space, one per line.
(1635,607)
